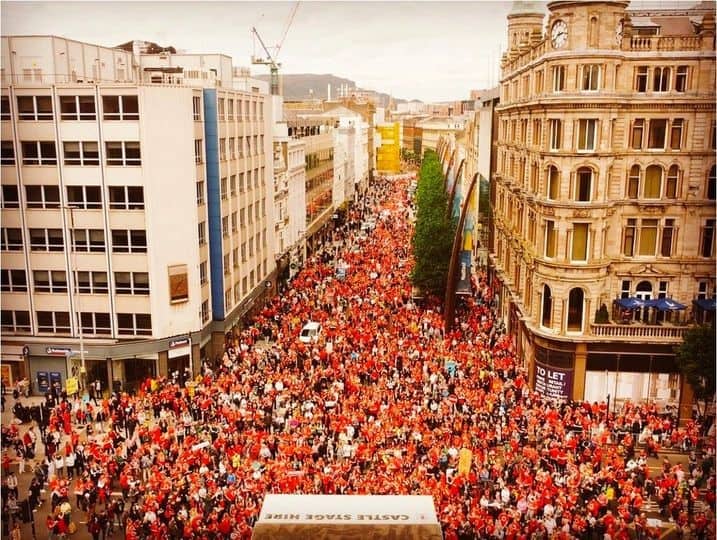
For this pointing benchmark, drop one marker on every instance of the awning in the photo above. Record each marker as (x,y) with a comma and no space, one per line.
(630,303)
(665,304)
(705,304)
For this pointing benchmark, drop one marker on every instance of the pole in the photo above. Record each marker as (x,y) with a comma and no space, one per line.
(77,298)
(450,301)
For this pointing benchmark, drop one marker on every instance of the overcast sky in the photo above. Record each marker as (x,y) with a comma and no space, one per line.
(430,51)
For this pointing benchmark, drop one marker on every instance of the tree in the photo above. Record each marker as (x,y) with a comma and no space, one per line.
(696,362)
(434,233)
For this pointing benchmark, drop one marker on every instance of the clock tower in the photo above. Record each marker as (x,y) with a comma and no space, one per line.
(525,24)
(586,24)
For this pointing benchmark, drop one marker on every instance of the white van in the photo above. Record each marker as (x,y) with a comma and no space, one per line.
(310,332)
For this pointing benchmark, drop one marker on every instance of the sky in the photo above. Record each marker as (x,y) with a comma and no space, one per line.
(432,51)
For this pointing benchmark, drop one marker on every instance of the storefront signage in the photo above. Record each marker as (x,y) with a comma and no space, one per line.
(181,342)
(58,351)
(553,382)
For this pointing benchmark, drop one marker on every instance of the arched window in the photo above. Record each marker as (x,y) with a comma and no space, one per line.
(575,310)
(583,184)
(712,183)
(653,182)
(553,187)
(633,182)
(671,185)
(547,307)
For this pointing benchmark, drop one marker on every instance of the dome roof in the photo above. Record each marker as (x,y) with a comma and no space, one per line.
(527,8)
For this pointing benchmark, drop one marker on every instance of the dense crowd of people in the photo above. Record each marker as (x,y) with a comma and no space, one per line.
(383,402)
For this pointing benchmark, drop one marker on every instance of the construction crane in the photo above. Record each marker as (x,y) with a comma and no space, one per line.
(271,59)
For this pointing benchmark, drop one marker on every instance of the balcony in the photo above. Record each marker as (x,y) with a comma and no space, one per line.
(666,43)
(639,332)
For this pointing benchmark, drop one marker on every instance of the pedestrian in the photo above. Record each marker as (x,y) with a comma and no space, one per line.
(16,533)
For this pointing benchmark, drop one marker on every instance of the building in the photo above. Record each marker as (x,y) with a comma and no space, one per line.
(388,153)
(434,127)
(604,190)
(134,193)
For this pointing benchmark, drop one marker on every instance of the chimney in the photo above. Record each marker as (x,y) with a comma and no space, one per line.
(328,92)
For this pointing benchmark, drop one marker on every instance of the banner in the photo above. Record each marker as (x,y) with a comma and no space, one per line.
(465,458)
(464,273)
(553,382)
(71,386)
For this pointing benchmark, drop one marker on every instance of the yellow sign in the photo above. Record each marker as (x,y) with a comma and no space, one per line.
(71,386)
(465,457)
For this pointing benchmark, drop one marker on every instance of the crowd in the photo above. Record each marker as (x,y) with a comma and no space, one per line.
(382,403)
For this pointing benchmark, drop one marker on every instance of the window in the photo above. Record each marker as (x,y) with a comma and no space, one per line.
(220,108)
(10,239)
(7,153)
(13,280)
(202,273)
(243,251)
(46,240)
(129,241)
(120,107)
(132,283)
(587,134)
(126,197)
(10,196)
(551,239)
(57,322)
(81,153)
(648,237)
(5,108)
(712,183)
(558,78)
(580,242)
(633,182)
(225,225)
(591,77)
(139,324)
(222,149)
(676,133)
(583,184)
(641,79)
(657,134)
(673,179)
(15,321)
(52,281)
(242,186)
(91,282)
(575,310)
(628,240)
(34,107)
(227,264)
(638,128)
(537,129)
(235,257)
(88,240)
(202,233)
(198,154)
(42,196)
(230,108)
(39,153)
(123,153)
(668,234)
(538,82)
(547,311)
(653,182)
(86,197)
(205,311)
(556,132)
(223,188)
(227,298)
(708,238)
(95,323)
(661,79)
(235,224)
(200,193)
(77,108)
(197,107)
(681,78)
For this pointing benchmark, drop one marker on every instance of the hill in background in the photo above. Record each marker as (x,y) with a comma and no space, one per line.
(297,86)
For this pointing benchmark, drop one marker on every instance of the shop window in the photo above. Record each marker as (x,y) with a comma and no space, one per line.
(575,310)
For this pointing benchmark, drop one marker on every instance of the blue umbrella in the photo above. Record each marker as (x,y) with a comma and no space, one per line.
(631,303)
(666,304)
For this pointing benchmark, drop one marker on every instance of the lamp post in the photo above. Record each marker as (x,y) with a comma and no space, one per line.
(75,292)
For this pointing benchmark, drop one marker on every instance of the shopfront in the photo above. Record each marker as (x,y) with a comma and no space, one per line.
(12,365)
(179,357)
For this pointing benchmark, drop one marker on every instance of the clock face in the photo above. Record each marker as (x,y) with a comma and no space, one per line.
(559,34)
(618,32)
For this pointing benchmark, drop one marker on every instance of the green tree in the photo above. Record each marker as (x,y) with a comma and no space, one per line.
(434,233)
(696,361)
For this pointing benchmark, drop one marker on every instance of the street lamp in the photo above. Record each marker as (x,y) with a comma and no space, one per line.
(75,292)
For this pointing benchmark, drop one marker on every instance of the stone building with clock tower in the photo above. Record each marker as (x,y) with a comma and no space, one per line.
(603,195)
